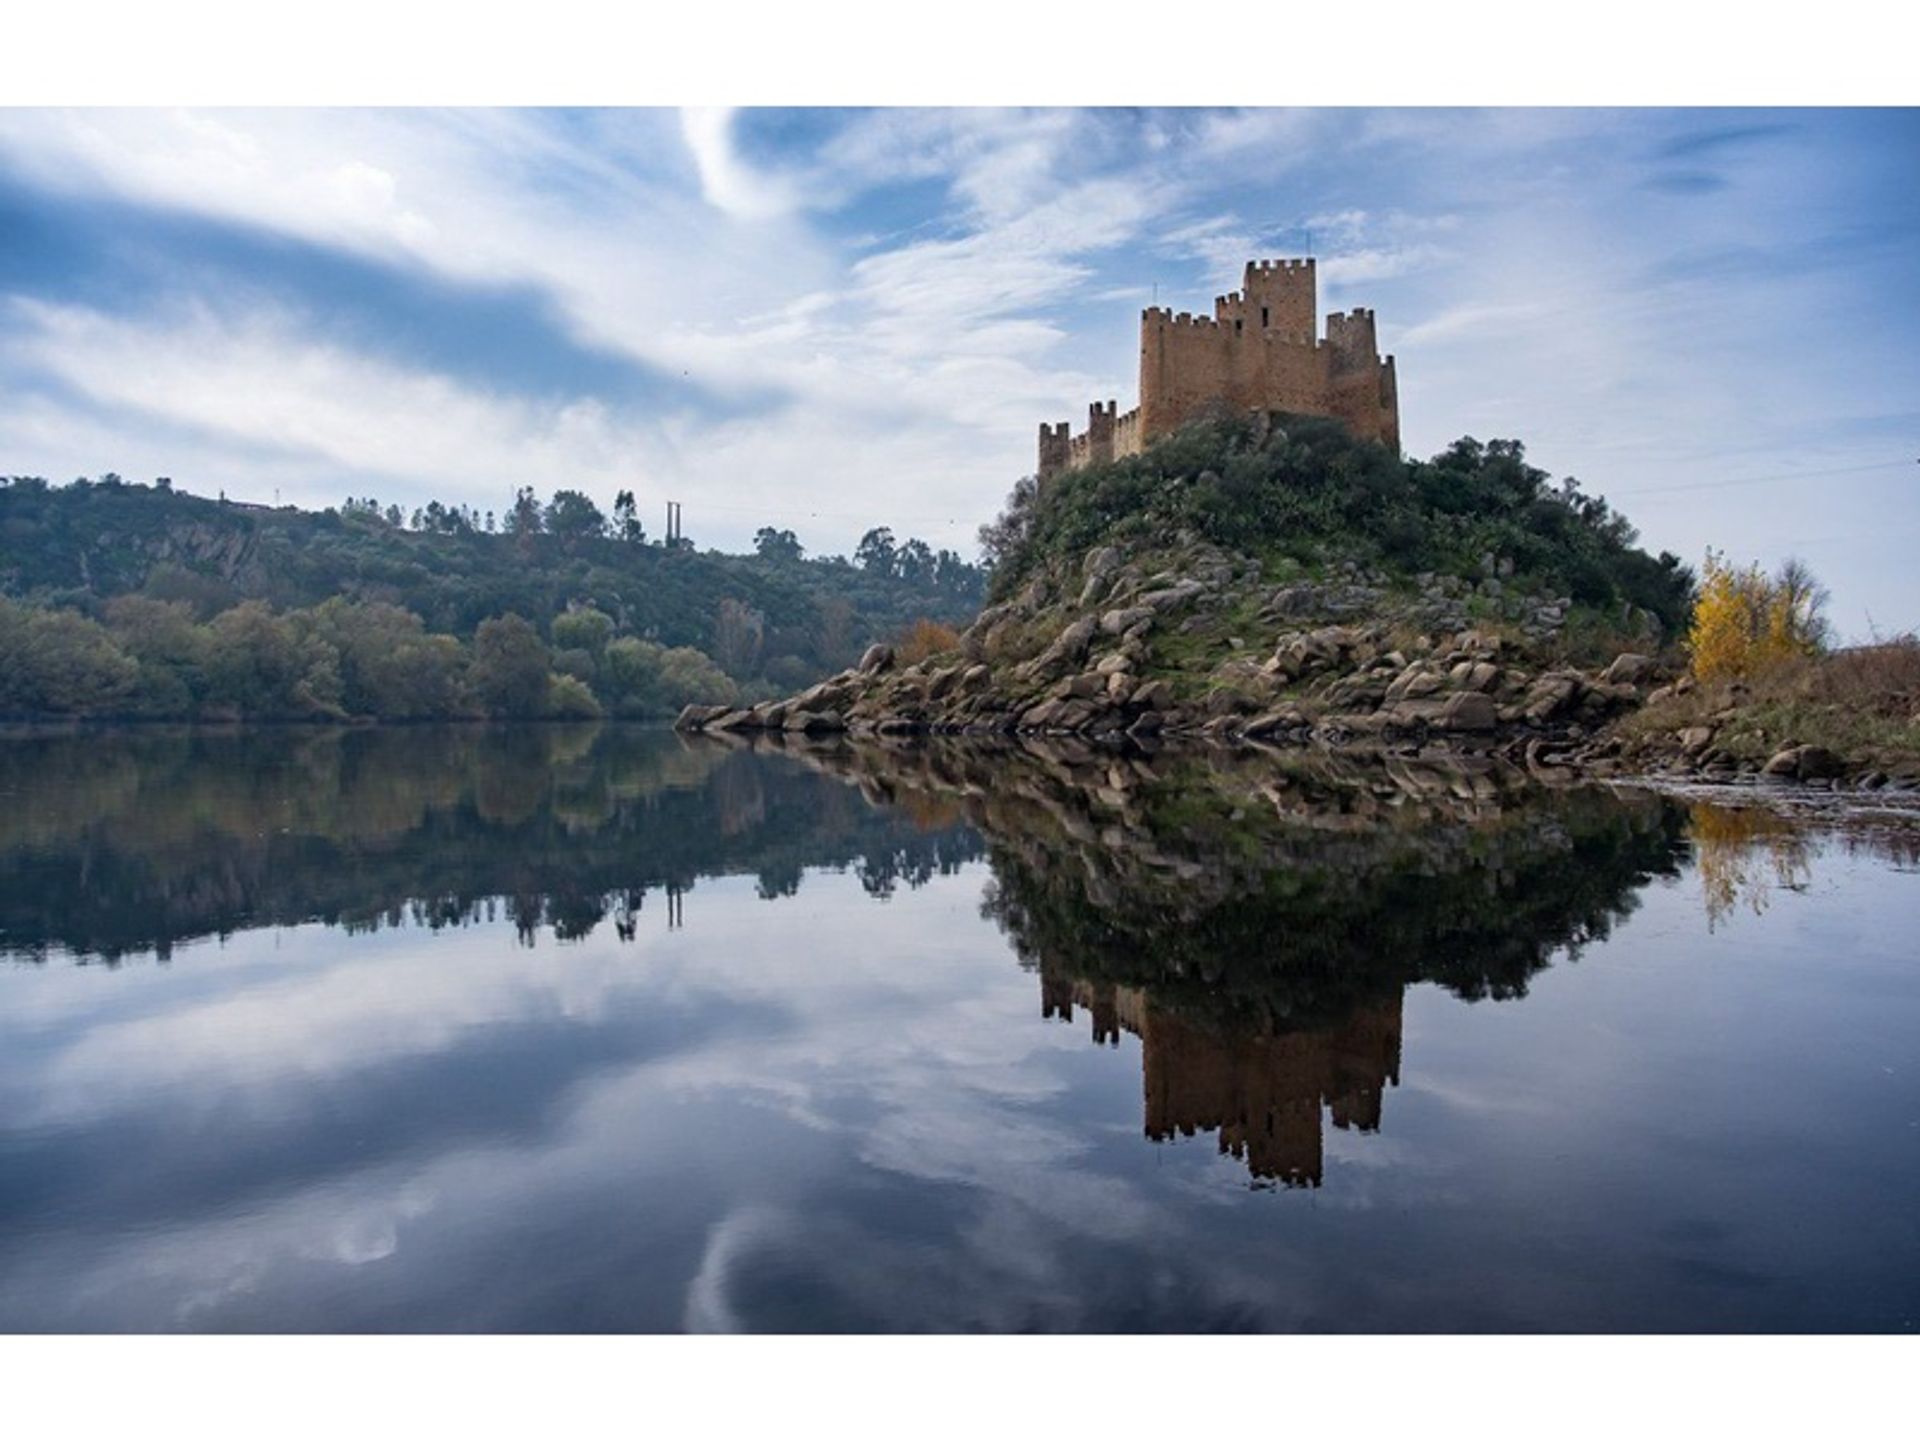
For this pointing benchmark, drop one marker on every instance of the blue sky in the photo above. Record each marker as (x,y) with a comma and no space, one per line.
(829,319)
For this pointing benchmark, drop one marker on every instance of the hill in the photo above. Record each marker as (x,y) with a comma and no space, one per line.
(1274,576)
(772,621)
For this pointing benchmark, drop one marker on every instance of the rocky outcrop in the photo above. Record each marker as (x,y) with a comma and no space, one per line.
(1189,639)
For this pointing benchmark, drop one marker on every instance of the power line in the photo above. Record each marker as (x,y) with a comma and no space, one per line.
(1760,479)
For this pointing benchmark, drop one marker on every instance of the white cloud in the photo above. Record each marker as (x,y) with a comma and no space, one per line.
(726,180)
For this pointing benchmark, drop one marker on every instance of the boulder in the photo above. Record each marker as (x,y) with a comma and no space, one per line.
(1118,622)
(1553,693)
(1783,763)
(1176,594)
(1154,695)
(877,659)
(1628,669)
(812,722)
(697,717)
(1469,710)
(1695,739)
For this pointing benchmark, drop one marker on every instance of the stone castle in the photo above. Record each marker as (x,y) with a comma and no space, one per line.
(1259,351)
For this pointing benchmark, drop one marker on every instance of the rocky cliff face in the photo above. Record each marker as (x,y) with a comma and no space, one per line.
(1189,639)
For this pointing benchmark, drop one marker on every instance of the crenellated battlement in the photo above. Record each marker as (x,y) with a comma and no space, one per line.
(1259,350)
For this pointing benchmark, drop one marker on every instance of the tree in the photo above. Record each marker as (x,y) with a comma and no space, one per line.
(510,667)
(525,518)
(570,698)
(626,519)
(60,663)
(582,627)
(1745,622)
(639,677)
(913,562)
(875,552)
(573,517)
(738,632)
(1796,622)
(777,545)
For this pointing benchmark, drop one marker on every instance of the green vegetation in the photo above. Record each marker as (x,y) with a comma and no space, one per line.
(584,582)
(1303,492)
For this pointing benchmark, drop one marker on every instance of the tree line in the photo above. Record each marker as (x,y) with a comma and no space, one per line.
(775,619)
(145,658)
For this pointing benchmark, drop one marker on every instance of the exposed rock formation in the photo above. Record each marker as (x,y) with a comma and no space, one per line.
(1192,640)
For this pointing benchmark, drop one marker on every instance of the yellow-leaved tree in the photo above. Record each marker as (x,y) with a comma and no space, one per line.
(1745,621)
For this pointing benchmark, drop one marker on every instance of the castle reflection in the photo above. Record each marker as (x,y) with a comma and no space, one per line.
(1263,1091)
(1254,919)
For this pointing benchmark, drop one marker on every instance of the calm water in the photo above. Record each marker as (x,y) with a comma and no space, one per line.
(562,1030)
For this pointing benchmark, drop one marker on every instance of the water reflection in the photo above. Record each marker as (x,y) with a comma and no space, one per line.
(135,842)
(870,1037)
(1255,920)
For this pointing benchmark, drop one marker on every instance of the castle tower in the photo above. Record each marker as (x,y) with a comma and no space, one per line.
(1280,296)
(1053,449)
(1100,420)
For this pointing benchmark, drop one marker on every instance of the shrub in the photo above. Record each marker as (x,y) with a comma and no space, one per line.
(925,638)
(569,698)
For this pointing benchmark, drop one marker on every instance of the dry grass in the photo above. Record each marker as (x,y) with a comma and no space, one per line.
(925,639)
(1863,703)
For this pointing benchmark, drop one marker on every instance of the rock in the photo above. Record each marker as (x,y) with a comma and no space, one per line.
(1628,669)
(1118,622)
(1415,683)
(877,659)
(1469,710)
(697,717)
(1228,701)
(1784,763)
(1101,563)
(1154,695)
(1082,687)
(1172,596)
(1695,739)
(1819,763)
(812,722)
(1285,717)
(1553,693)
(1069,646)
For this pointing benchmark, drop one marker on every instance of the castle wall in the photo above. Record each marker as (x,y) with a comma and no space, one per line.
(1257,351)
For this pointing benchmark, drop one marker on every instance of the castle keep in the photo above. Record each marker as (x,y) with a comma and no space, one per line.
(1259,351)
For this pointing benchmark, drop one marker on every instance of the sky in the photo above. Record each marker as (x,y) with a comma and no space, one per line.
(826,320)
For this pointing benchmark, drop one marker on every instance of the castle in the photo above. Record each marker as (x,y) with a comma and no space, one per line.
(1258,352)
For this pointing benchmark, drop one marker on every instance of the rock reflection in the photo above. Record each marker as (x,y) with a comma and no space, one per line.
(1255,920)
